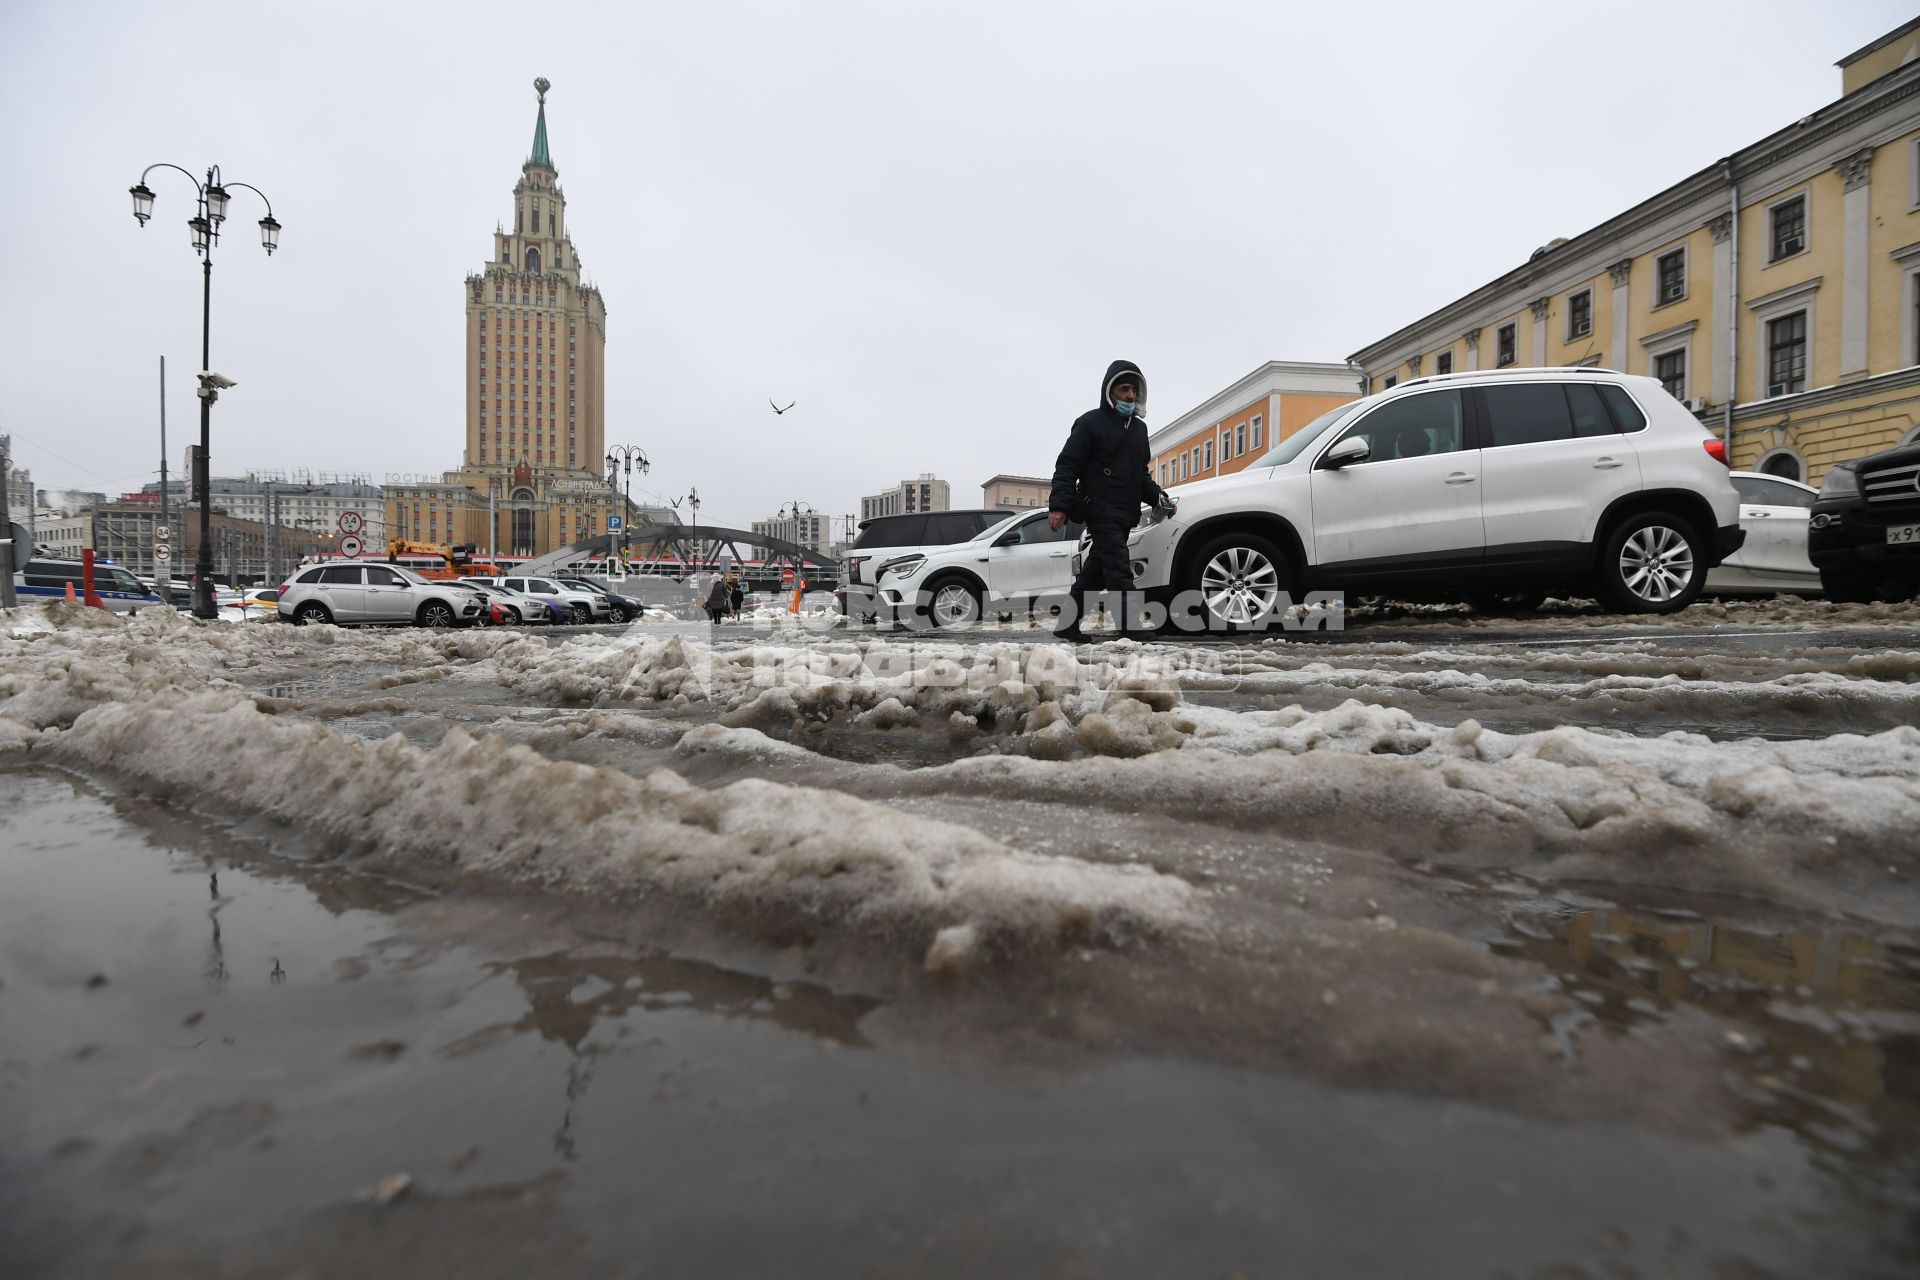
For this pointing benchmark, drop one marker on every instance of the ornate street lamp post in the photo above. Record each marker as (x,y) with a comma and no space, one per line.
(210,212)
(627,455)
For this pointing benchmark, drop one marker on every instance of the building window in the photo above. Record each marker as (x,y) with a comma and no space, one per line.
(1240,439)
(1254,435)
(1671,277)
(1443,363)
(1504,346)
(1206,463)
(1787,354)
(1580,314)
(1789,230)
(1671,368)
(1393,380)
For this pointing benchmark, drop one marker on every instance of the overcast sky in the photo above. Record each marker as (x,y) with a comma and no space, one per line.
(931,225)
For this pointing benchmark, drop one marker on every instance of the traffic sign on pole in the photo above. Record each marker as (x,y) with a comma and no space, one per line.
(162,553)
(162,534)
(614,524)
(351,523)
(786,577)
(350,545)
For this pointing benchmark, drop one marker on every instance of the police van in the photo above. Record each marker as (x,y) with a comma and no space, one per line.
(118,589)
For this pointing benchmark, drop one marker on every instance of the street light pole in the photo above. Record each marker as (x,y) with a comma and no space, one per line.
(209,214)
(627,454)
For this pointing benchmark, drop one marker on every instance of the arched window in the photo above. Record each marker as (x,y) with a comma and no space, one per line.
(533,262)
(1784,463)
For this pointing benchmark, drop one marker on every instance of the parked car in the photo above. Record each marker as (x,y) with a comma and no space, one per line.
(507,607)
(888,538)
(1008,566)
(619,608)
(1576,481)
(117,588)
(376,593)
(1773,559)
(585,606)
(1864,535)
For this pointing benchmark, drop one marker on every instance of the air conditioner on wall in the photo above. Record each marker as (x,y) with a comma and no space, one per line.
(1792,246)
(1776,389)
(1696,404)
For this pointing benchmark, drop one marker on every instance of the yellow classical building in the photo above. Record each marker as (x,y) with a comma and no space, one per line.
(1776,291)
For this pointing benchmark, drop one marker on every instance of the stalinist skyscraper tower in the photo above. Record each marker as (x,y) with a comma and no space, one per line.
(536,373)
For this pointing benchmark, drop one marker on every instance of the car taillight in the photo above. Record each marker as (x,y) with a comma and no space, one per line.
(853,569)
(1716,449)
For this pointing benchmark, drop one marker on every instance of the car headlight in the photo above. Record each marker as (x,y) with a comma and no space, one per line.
(905,566)
(1841,482)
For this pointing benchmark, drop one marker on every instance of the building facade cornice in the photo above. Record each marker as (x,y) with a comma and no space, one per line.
(1820,397)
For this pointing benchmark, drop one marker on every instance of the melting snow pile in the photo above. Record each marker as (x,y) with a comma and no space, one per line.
(133,698)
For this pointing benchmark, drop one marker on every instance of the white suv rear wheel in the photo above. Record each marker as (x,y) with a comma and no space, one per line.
(1651,563)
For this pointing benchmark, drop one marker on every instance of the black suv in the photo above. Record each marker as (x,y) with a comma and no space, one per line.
(1864,534)
(888,537)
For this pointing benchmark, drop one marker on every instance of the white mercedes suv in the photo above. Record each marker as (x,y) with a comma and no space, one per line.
(1460,486)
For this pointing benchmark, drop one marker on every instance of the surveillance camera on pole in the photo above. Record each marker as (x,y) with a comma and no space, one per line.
(212,384)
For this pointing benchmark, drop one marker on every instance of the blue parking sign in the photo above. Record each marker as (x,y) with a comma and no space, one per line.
(613,524)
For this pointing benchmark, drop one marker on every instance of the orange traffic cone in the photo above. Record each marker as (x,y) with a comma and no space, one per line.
(70,594)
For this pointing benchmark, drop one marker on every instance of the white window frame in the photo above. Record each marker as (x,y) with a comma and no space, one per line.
(1778,305)
(1913,174)
(1805,195)
(1571,335)
(1686,280)
(1679,338)
(1206,456)
(1908,257)
(1253,432)
(1437,357)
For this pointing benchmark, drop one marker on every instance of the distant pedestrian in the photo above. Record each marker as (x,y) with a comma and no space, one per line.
(1102,477)
(717,598)
(735,594)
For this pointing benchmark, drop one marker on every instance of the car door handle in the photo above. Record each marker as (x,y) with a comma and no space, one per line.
(1606,464)
(1461,477)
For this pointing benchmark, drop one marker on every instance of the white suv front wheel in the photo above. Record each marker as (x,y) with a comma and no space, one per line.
(955,603)
(1242,580)
(1651,563)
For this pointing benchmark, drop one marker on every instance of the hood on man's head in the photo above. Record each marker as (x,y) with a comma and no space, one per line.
(1114,371)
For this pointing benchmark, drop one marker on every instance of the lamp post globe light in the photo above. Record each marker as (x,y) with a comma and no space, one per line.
(627,456)
(210,212)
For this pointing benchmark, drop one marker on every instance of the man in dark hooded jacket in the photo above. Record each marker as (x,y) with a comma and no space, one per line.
(1106,463)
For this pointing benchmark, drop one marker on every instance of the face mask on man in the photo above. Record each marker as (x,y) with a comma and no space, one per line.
(1126,407)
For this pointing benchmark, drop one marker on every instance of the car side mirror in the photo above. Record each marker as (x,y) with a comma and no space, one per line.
(1007,539)
(1352,449)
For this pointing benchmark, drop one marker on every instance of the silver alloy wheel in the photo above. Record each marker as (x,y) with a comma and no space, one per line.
(1656,563)
(1240,585)
(310,615)
(954,604)
(436,614)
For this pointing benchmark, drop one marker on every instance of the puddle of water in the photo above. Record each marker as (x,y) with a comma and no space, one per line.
(266,1040)
(1820,1020)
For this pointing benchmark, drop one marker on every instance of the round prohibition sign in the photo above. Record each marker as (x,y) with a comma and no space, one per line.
(351,523)
(350,546)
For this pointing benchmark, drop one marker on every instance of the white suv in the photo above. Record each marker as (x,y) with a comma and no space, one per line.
(1461,486)
(344,592)
(1014,562)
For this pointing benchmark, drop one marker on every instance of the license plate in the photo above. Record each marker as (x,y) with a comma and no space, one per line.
(1902,534)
